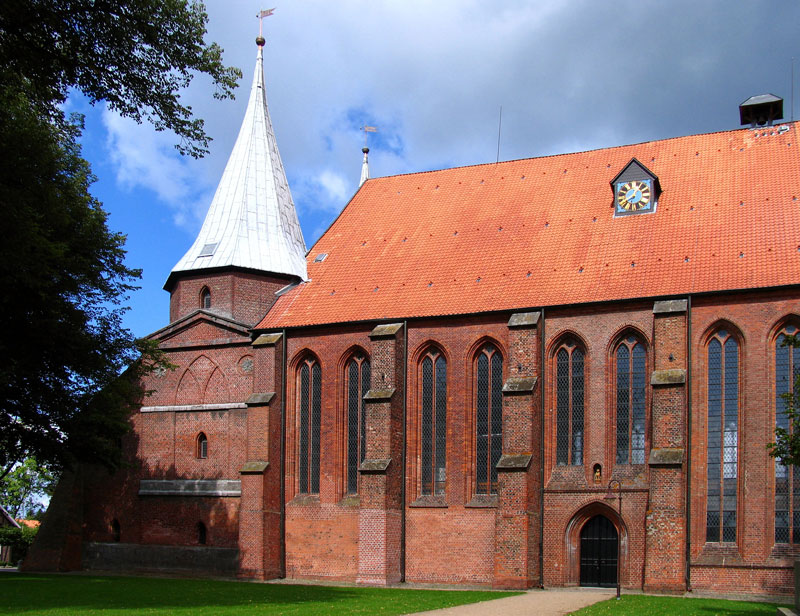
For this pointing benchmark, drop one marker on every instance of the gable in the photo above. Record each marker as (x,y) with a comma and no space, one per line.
(201,328)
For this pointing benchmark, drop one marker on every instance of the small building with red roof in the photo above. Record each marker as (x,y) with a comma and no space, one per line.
(556,371)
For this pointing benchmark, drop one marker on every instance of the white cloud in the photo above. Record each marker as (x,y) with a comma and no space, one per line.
(145,158)
(334,185)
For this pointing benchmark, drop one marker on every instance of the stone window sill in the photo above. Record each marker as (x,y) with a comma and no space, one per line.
(483,501)
(350,500)
(304,500)
(430,500)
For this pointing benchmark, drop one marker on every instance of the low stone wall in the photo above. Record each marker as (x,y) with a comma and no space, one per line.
(131,557)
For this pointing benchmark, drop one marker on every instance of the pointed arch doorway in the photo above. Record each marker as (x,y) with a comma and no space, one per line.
(598,553)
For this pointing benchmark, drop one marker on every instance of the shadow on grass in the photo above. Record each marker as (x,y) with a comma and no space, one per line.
(59,594)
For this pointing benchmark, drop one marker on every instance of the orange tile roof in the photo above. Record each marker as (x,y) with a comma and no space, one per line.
(542,232)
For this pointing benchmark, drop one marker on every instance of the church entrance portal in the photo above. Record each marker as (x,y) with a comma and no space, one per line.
(599,552)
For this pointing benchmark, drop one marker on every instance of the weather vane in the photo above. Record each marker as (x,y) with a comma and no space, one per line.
(368,129)
(261,15)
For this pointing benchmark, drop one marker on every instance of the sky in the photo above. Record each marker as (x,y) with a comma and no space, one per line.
(569,75)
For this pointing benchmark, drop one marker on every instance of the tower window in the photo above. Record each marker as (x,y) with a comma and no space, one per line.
(202,446)
(205,298)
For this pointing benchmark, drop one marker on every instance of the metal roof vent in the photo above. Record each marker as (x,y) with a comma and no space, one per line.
(761,110)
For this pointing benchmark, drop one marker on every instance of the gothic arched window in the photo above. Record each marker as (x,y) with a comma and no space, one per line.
(205,298)
(723,437)
(433,415)
(787,479)
(309,412)
(569,404)
(631,389)
(488,418)
(357,383)
(201,450)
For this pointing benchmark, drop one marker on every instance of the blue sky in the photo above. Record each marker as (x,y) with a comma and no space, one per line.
(569,75)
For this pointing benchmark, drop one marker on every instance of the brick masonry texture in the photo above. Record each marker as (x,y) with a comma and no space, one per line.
(376,537)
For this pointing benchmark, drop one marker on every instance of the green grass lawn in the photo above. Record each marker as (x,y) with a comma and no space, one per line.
(676,606)
(68,595)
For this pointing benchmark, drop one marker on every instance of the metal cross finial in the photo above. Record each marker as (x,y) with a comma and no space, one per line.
(261,15)
(368,129)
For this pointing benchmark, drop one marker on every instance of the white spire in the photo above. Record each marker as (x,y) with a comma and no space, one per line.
(364,168)
(251,222)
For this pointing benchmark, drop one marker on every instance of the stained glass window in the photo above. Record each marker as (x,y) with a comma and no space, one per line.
(434,423)
(787,479)
(631,391)
(309,403)
(723,437)
(569,405)
(357,383)
(488,418)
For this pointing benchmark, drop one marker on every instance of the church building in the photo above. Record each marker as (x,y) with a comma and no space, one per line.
(556,371)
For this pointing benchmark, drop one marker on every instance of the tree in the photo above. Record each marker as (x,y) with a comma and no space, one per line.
(786,447)
(134,54)
(23,488)
(70,371)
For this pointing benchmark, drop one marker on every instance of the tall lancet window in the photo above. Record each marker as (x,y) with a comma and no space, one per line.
(205,298)
(631,360)
(433,417)
(569,404)
(787,479)
(488,418)
(309,412)
(723,437)
(357,383)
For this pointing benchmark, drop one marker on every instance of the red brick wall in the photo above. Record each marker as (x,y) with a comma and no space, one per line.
(243,296)
(754,562)
(456,543)
(322,530)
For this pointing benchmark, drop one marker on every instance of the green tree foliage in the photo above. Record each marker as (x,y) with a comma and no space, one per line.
(133,54)
(70,371)
(786,447)
(18,539)
(23,488)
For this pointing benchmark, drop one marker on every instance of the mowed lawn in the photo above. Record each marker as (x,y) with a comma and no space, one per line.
(68,595)
(639,605)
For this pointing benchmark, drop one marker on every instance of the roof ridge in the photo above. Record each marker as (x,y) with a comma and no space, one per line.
(577,152)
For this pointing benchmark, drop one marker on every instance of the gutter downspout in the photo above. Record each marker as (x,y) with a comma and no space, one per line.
(283,460)
(542,372)
(688,441)
(403,472)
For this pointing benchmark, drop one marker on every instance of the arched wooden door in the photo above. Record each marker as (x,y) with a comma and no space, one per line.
(599,552)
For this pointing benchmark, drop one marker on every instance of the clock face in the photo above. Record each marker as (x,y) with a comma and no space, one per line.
(633,196)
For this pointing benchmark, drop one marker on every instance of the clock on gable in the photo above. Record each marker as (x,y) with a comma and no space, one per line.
(636,190)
